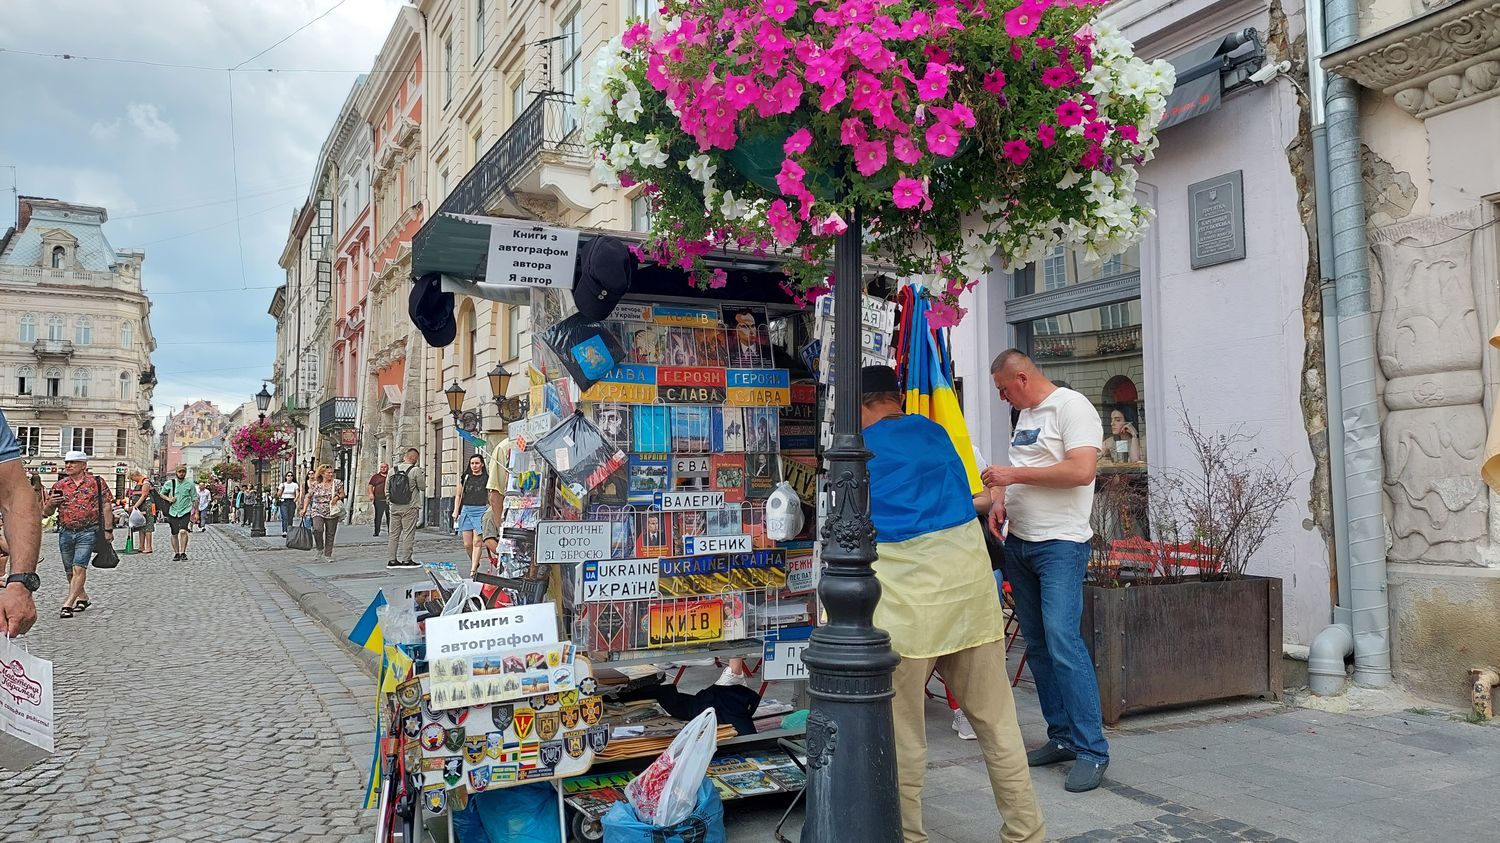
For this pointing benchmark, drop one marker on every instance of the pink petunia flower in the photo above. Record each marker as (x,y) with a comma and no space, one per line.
(1069,113)
(1096,131)
(635,35)
(1057,77)
(915,26)
(1023,20)
(869,157)
(798,142)
(781,11)
(934,84)
(718,279)
(994,82)
(1091,159)
(942,139)
(1046,134)
(790,177)
(740,91)
(905,151)
(832,95)
(1017,151)
(851,131)
(1129,132)
(907,192)
(783,225)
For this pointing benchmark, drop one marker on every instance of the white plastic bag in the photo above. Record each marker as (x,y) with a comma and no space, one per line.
(783,513)
(26,727)
(137,519)
(665,793)
(467,596)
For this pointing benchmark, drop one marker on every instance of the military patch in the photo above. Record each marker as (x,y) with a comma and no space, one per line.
(494,744)
(412,755)
(524,718)
(432,737)
(536,661)
(547,723)
(502,716)
(593,709)
(569,698)
(428,714)
(538,773)
(457,716)
(411,725)
(453,770)
(453,739)
(500,773)
(551,753)
(474,749)
(575,742)
(588,686)
(569,716)
(598,738)
(549,700)
(479,778)
(562,675)
(434,798)
(409,693)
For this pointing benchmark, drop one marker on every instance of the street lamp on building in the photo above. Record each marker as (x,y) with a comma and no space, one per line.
(258,527)
(511,408)
(455,395)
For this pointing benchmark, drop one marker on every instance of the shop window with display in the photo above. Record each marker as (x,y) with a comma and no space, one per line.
(1080,321)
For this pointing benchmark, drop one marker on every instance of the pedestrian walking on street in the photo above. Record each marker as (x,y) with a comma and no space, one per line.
(377,497)
(23,537)
(143,500)
(205,503)
(939,603)
(79,501)
(470,501)
(288,495)
(405,488)
(181,495)
(323,502)
(1048,492)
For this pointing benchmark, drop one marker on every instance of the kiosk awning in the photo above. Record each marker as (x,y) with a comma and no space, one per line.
(1200,74)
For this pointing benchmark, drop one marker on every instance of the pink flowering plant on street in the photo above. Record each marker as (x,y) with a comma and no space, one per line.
(260,439)
(967,132)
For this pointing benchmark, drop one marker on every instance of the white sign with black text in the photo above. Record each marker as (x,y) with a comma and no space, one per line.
(682,501)
(566,542)
(619,579)
(703,545)
(490,631)
(783,660)
(529,255)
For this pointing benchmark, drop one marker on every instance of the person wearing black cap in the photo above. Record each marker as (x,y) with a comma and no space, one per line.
(939,604)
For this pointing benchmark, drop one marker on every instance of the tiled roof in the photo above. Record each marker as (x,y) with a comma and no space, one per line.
(94,252)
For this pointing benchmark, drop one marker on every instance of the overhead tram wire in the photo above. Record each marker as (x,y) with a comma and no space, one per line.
(289,35)
(205,204)
(76,57)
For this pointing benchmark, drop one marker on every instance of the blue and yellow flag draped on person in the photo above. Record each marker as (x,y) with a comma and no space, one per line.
(925,361)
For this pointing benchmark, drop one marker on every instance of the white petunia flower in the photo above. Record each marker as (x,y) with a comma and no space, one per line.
(629,106)
(701,167)
(649,153)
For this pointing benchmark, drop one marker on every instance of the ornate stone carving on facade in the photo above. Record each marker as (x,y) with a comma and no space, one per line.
(1446,58)
(1430,347)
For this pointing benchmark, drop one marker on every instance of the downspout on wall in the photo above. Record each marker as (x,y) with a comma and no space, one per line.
(1360,419)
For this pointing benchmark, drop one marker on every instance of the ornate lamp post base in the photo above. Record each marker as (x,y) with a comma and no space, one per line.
(851,773)
(258,526)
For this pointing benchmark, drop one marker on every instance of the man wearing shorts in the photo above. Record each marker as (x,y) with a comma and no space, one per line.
(78,500)
(23,537)
(182,494)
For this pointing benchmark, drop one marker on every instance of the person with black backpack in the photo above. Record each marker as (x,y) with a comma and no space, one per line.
(404,489)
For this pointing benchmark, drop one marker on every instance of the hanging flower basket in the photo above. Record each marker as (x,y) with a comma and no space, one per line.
(968,133)
(260,440)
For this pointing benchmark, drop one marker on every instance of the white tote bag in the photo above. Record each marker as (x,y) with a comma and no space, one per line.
(26,728)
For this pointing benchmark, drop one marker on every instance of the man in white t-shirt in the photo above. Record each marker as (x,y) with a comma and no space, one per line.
(1048,490)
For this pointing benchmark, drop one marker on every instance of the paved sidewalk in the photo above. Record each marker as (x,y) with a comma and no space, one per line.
(1238,771)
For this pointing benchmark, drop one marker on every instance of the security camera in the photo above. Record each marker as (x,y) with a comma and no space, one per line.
(1269,72)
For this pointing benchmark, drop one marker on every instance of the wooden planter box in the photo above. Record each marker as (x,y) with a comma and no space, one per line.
(1188,642)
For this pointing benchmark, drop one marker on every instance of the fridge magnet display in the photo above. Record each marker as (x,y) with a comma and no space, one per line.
(653,431)
(726,474)
(749,337)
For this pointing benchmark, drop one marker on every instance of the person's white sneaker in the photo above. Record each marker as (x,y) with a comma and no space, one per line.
(729,677)
(962,727)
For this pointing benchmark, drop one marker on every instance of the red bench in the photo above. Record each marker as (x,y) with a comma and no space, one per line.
(1152,558)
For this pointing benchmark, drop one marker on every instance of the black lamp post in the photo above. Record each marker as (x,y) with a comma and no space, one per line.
(258,527)
(455,395)
(851,757)
(510,409)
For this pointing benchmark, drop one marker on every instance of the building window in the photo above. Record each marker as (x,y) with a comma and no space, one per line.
(55,328)
(517,99)
(468,332)
(1062,268)
(81,380)
(54,383)
(476,148)
(643,9)
(412,171)
(512,331)
(124,386)
(447,70)
(27,332)
(127,335)
(30,439)
(83,331)
(571,47)
(78,439)
(59,254)
(478,30)
(640,213)
(25,378)
(1055,269)
(443,185)
(121,443)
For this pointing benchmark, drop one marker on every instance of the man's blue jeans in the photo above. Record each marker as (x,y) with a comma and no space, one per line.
(1046,580)
(76,547)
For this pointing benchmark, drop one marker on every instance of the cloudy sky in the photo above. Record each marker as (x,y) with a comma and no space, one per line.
(153,145)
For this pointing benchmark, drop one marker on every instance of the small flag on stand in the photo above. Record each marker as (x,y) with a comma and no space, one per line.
(475,440)
(367,633)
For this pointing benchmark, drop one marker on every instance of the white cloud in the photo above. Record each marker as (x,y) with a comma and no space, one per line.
(105,132)
(148,121)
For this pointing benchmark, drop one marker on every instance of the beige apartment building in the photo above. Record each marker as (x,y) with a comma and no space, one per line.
(75,341)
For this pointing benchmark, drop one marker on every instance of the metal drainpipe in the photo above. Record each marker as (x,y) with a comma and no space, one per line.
(1369,602)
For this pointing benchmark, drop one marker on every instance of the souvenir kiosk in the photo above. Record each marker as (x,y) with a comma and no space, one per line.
(664,468)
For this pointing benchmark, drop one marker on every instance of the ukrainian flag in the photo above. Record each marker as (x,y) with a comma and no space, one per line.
(367,633)
(477,441)
(927,362)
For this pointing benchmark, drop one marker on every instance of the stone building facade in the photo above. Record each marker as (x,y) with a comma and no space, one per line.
(75,341)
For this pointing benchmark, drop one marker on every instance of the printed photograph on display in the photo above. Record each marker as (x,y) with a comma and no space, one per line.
(682,347)
(613,421)
(762,429)
(621,534)
(614,491)
(688,524)
(727,475)
(712,349)
(748,335)
(732,429)
(652,429)
(649,474)
(728,521)
(692,429)
(643,343)
(655,538)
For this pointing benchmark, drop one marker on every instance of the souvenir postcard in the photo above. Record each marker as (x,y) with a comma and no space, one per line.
(727,475)
(649,474)
(682,347)
(652,431)
(643,343)
(762,429)
(750,783)
(655,536)
(712,349)
(690,473)
(728,521)
(613,420)
(748,336)
(692,429)
(614,491)
(691,523)
(731,430)
(761,475)
(621,523)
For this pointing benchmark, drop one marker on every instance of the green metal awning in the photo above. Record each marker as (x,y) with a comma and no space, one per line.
(451,245)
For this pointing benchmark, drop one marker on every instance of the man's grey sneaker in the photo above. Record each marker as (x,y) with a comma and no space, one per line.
(1050,752)
(962,726)
(393,564)
(410,563)
(1085,776)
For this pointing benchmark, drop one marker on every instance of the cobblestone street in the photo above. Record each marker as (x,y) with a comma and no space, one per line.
(194,702)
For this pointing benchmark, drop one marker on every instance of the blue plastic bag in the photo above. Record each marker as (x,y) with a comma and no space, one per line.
(523,814)
(704,825)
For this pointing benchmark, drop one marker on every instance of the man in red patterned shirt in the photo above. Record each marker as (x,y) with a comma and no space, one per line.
(77,499)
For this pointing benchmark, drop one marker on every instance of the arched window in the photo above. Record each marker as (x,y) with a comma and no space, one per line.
(59,254)
(81,379)
(127,334)
(55,327)
(83,331)
(124,386)
(25,380)
(28,327)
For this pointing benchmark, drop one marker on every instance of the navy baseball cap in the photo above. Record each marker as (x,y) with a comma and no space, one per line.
(431,310)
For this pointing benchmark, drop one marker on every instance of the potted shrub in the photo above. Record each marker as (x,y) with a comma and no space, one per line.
(1176,619)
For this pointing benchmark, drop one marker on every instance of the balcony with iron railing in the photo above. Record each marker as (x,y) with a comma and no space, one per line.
(547,131)
(336,413)
(51,402)
(53,349)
